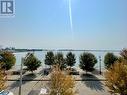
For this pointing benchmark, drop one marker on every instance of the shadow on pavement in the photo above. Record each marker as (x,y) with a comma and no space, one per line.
(25,77)
(34,92)
(94,84)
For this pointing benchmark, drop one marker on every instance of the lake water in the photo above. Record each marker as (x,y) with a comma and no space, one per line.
(41,56)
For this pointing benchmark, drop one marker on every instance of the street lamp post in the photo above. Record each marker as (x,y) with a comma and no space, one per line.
(20,86)
(100,64)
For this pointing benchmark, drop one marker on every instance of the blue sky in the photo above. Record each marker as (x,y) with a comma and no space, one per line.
(97,24)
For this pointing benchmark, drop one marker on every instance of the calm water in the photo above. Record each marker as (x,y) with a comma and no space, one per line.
(41,56)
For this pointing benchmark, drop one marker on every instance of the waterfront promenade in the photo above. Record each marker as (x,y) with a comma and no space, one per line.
(93,86)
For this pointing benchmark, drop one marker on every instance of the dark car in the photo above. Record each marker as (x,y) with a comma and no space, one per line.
(74,72)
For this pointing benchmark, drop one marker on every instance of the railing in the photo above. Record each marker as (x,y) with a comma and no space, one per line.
(50,80)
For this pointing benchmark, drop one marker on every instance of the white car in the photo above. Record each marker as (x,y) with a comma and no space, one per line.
(3,92)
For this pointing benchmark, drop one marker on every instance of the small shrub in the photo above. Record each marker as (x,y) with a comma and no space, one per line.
(117,78)
(2,78)
(61,84)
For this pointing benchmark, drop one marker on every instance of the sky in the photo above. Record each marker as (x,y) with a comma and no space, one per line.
(97,24)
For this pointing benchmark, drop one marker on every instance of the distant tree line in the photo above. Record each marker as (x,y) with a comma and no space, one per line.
(87,60)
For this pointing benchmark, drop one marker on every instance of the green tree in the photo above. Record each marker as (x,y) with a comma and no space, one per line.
(8,59)
(31,62)
(117,78)
(87,61)
(70,59)
(49,58)
(109,59)
(60,61)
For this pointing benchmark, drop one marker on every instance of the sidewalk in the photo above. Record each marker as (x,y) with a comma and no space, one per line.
(82,87)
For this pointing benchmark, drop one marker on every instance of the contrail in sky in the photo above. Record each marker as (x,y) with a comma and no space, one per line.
(70,16)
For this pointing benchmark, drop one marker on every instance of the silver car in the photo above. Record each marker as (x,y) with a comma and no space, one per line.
(3,92)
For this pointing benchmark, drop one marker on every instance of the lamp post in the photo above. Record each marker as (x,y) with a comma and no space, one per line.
(20,86)
(100,64)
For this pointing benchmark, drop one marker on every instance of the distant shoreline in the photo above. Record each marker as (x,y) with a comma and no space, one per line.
(34,50)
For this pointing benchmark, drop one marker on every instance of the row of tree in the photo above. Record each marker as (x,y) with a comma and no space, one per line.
(58,59)
(87,60)
(116,74)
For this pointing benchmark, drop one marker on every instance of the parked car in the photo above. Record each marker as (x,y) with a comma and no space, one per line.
(74,72)
(47,71)
(3,92)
